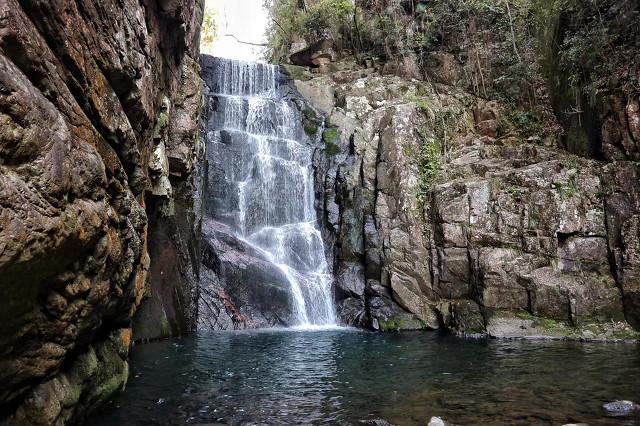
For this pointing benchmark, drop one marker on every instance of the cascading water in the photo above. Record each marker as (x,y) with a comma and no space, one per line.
(268,179)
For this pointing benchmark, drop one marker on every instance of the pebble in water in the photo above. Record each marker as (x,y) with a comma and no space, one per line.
(620,408)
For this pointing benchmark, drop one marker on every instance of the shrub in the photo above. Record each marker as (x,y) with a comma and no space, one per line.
(429,161)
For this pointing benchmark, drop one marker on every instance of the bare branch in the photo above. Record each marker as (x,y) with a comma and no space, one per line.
(245,42)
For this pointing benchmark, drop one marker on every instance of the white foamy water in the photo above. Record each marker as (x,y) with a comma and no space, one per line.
(269,172)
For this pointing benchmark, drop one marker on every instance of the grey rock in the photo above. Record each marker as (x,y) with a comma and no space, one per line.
(620,408)
(436,421)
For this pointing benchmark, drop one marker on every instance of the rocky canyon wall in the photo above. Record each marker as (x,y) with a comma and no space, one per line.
(480,164)
(442,215)
(98,152)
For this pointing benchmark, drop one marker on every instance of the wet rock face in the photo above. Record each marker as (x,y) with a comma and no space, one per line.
(240,287)
(512,238)
(87,94)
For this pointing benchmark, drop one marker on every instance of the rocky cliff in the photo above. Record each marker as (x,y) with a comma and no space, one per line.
(442,214)
(98,107)
(479,172)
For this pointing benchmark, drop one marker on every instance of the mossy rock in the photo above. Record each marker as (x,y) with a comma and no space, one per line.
(310,128)
(331,149)
(329,136)
(397,324)
(311,121)
(296,72)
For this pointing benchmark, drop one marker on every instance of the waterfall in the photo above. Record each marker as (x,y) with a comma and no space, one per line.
(265,162)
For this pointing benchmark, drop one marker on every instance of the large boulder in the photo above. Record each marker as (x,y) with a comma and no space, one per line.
(240,287)
(317,55)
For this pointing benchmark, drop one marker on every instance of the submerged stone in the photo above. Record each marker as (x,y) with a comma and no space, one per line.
(621,408)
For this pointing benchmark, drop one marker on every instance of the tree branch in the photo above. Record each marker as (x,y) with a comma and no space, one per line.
(245,42)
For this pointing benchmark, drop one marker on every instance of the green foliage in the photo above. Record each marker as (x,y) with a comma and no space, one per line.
(515,192)
(421,104)
(290,23)
(505,49)
(600,37)
(429,161)
(526,123)
(604,191)
(568,190)
(327,17)
(208,31)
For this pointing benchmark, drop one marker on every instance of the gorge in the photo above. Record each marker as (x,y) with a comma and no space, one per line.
(417,209)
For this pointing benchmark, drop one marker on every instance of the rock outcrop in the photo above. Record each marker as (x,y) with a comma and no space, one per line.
(98,107)
(441,215)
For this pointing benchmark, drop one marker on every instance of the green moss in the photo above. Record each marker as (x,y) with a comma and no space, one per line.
(114,383)
(331,148)
(396,324)
(296,72)
(310,114)
(330,135)
(311,122)
(310,128)
(524,315)
(391,324)
(547,323)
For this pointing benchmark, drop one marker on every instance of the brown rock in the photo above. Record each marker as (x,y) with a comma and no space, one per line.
(81,84)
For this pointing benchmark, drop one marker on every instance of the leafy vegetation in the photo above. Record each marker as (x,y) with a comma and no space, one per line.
(599,40)
(507,50)
(208,31)
(526,123)
(294,21)
(569,189)
(429,161)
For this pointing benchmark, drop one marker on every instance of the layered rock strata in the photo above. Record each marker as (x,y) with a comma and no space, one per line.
(98,106)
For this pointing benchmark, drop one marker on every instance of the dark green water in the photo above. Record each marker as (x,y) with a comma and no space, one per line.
(340,377)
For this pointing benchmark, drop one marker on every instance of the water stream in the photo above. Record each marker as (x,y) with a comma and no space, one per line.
(268,176)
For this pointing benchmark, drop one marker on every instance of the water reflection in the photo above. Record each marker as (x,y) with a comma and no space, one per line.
(341,377)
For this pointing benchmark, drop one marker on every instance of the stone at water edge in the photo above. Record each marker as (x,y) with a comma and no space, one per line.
(375,422)
(621,408)
(436,421)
